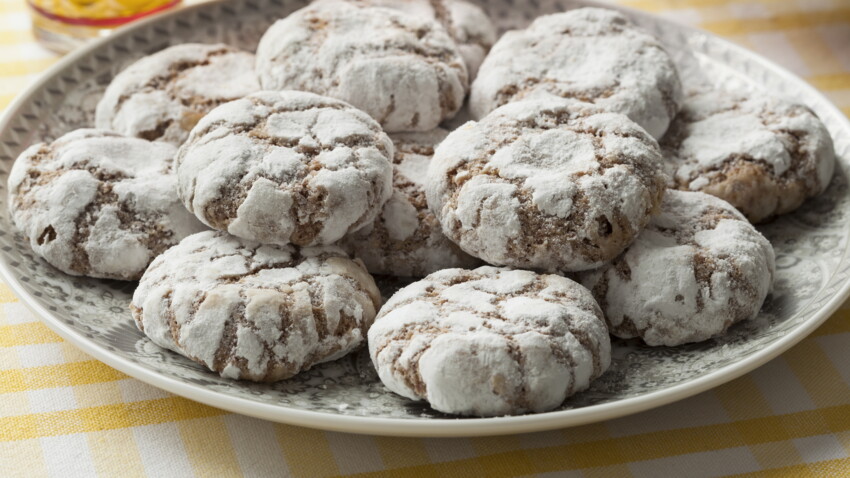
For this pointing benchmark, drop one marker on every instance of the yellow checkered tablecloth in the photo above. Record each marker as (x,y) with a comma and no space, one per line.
(63,414)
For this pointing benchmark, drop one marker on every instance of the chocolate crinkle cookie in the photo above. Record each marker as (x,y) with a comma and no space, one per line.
(405,71)
(162,96)
(255,312)
(490,341)
(406,238)
(469,26)
(697,268)
(286,167)
(550,184)
(590,54)
(95,203)
(762,154)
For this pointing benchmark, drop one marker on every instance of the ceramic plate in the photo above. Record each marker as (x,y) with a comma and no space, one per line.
(811,248)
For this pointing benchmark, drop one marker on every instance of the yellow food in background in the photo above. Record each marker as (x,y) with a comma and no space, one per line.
(98,9)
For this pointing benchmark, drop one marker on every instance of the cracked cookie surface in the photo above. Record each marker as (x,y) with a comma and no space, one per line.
(286,167)
(696,269)
(403,70)
(97,204)
(162,96)
(549,184)
(490,341)
(469,26)
(590,54)
(406,238)
(255,312)
(762,154)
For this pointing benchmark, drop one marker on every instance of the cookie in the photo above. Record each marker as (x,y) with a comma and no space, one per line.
(550,184)
(763,155)
(286,167)
(696,269)
(255,312)
(406,239)
(403,70)
(469,26)
(590,54)
(490,341)
(162,96)
(97,204)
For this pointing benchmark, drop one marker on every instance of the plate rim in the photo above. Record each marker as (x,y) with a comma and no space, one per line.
(432,427)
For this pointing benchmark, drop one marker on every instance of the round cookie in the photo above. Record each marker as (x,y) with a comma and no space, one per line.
(763,155)
(406,239)
(255,312)
(469,26)
(696,269)
(403,70)
(162,96)
(590,54)
(490,341)
(549,184)
(94,203)
(286,167)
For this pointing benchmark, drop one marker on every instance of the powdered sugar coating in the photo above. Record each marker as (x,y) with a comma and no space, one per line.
(696,269)
(255,312)
(406,239)
(762,154)
(286,167)
(162,96)
(547,184)
(403,70)
(590,54)
(490,341)
(98,204)
(470,27)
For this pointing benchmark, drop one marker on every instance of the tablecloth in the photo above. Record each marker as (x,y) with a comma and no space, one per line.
(64,414)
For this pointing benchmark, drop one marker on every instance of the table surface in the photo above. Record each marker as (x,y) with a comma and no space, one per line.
(64,414)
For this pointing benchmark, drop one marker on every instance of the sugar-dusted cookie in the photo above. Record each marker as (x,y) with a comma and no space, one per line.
(162,96)
(98,204)
(591,54)
(286,167)
(470,27)
(696,269)
(490,341)
(403,70)
(762,154)
(255,312)
(548,184)
(406,238)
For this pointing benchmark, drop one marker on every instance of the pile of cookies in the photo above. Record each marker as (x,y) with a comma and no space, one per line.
(254,195)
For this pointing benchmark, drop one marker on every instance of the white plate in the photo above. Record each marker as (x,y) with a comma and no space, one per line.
(345,395)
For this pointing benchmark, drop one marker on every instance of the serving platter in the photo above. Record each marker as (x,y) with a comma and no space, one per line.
(346,395)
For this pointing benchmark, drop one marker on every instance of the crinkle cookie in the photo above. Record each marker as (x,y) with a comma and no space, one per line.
(590,54)
(490,341)
(403,70)
(696,269)
(470,27)
(406,239)
(255,312)
(762,154)
(549,184)
(286,167)
(162,96)
(94,203)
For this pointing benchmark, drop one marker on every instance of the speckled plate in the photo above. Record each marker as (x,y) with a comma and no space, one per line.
(811,247)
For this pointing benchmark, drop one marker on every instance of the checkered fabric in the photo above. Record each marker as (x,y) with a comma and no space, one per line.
(63,414)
